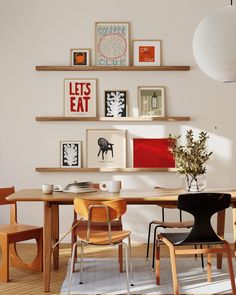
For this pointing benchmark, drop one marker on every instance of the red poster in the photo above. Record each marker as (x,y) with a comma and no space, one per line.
(146,53)
(152,153)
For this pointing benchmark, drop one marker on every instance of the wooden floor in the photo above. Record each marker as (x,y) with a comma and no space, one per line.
(25,282)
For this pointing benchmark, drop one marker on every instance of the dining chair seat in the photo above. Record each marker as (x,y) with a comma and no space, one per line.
(178,224)
(102,238)
(16,231)
(180,238)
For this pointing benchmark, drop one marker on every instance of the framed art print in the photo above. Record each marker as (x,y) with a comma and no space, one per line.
(112,43)
(70,154)
(115,103)
(80,97)
(152,153)
(147,53)
(80,57)
(151,101)
(106,148)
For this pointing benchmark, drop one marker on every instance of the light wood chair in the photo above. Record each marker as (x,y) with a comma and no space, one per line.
(12,233)
(100,212)
(202,206)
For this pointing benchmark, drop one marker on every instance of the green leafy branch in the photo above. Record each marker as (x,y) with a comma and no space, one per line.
(190,159)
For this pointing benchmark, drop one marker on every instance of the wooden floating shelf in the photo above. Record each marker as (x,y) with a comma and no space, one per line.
(131,170)
(112,68)
(120,119)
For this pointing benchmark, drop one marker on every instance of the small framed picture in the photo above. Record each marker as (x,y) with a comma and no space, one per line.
(70,154)
(80,57)
(147,53)
(115,103)
(112,43)
(106,148)
(156,151)
(151,101)
(80,97)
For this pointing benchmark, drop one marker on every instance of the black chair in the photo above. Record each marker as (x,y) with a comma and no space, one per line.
(105,146)
(202,206)
(166,224)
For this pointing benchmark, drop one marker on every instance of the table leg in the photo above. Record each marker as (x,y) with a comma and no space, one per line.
(55,235)
(234,225)
(47,245)
(220,232)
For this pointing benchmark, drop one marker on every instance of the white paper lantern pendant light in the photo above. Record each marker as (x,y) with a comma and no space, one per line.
(214,44)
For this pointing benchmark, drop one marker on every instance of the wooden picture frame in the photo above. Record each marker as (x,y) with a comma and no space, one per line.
(147,52)
(106,148)
(70,154)
(80,98)
(112,43)
(80,56)
(116,103)
(151,101)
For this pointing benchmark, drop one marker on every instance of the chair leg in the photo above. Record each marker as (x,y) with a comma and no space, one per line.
(73,241)
(127,268)
(157,262)
(4,271)
(202,260)
(130,263)
(173,269)
(148,241)
(154,247)
(230,267)
(120,257)
(209,260)
(81,262)
(72,266)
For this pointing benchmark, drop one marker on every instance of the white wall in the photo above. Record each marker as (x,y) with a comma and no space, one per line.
(42,32)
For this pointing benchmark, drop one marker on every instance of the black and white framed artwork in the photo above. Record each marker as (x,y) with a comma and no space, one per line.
(70,154)
(116,103)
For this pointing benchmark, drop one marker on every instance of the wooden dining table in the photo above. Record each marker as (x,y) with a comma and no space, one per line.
(132,197)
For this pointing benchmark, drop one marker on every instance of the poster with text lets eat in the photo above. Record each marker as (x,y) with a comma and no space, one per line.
(80,97)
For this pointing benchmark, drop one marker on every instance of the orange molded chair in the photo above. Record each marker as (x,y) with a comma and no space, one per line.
(12,233)
(100,212)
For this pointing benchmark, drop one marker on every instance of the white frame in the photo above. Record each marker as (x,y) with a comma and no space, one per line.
(74,50)
(92,160)
(149,109)
(158,52)
(109,32)
(92,101)
(126,102)
(62,142)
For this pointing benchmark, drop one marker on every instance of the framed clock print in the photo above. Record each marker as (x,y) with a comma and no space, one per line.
(112,43)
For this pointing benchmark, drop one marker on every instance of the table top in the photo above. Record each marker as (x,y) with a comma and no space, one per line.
(130,195)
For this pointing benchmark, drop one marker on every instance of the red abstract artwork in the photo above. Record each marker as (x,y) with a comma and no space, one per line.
(146,54)
(152,153)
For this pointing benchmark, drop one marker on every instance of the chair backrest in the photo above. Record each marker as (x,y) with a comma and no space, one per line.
(4,192)
(100,210)
(102,142)
(202,206)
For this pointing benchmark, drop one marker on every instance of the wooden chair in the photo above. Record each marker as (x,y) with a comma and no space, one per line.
(100,212)
(166,224)
(202,206)
(12,233)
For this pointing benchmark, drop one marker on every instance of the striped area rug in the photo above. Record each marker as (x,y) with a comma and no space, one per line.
(102,276)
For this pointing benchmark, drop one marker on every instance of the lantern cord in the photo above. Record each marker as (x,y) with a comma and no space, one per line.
(231,2)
